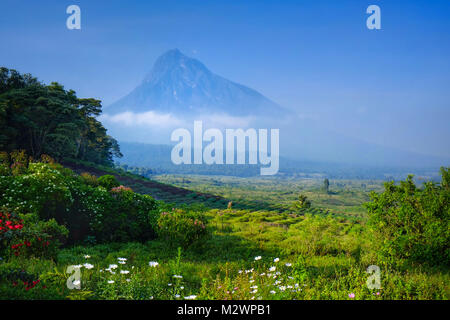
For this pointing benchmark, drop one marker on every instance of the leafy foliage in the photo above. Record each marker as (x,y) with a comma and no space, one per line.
(181,227)
(51,191)
(108,181)
(301,203)
(412,223)
(47,119)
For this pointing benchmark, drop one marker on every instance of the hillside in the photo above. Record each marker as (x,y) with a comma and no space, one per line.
(184,86)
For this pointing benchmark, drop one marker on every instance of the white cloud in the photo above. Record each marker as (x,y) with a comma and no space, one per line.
(167,120)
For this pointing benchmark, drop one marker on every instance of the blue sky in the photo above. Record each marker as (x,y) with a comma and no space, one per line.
(389,86)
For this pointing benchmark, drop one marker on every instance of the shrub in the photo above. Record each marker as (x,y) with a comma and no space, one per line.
(125,216)
(53,192)
(89,179)
(108,181)
(10,226)
(301,203)
(180,227)
(39,238)
(26,235)
(412,223)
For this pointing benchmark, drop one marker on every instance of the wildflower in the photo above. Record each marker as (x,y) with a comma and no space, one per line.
(351,295)
(110,281)
(88,266)
(378,293)
(254,291)
(177,296)
(191,297)
(127,280)
(257,258)
(177,276)
(263,274)
(124,271)
(288,264)
(181,288)
(272,292)
(272,269)
(276,260)
(87,256)
(112,266)
(282,288)
(253,287)
(153,264)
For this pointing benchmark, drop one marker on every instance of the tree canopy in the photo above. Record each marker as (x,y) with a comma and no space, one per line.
(47,119)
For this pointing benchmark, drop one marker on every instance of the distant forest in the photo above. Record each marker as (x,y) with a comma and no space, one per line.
(151,159)
(47,119)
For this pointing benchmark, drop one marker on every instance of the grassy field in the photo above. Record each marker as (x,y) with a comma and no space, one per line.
(258,249)
(248,255)
(345,197)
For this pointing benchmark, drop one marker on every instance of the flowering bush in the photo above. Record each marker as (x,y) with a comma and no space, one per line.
(39,238)
(180,227)
(28,236)
(20,278)
(120,189)
(51,191)
(10,226)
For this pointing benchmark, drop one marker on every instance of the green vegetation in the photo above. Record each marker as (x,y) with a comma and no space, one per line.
(146,249)
(86,230)
(50,191)
(46,119)
(413,223)
(344,199)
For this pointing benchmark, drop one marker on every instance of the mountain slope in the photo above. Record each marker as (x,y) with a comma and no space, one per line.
(179,84)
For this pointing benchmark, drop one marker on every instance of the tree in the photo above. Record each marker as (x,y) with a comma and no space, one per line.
(301,203)
(326,185)
(412,223)
(47,119)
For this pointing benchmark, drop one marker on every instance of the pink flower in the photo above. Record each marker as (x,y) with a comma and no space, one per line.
(351,295)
